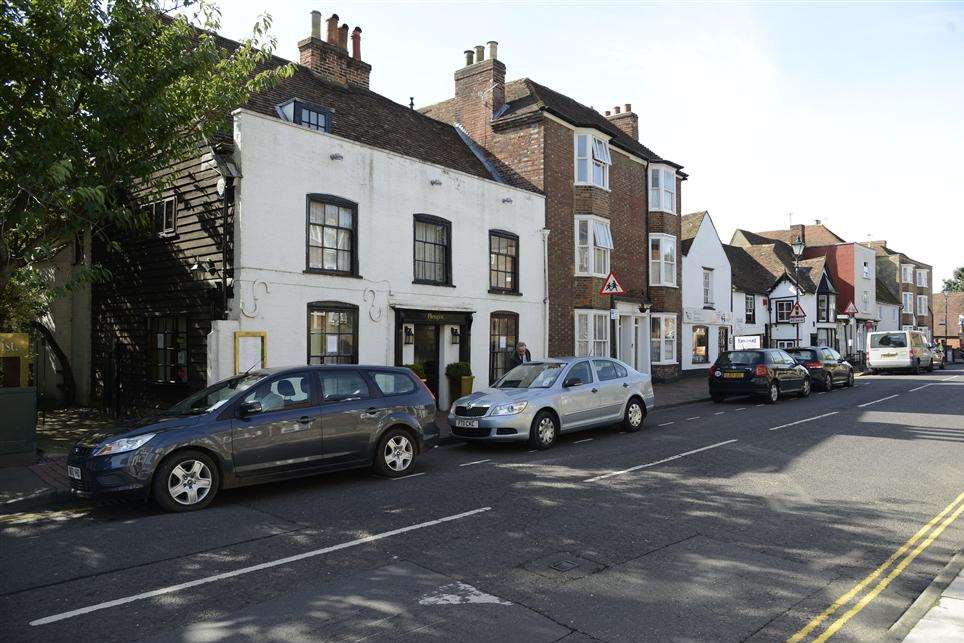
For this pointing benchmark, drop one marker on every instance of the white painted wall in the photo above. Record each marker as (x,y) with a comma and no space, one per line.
(706,251)
(889,317)
(740,325)
(808,301)
(281,163)
(863,284)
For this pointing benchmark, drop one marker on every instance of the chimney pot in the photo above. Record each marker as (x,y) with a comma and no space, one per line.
(616,109)
(816,221)
(607,112)
(479,53)
(627,108)
(333,29)
(343,37)
(356,43)
(493,50)
(316,24)
(469,56)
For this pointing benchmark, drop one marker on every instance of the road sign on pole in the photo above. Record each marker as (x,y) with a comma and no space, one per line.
(797,316)
(612,287)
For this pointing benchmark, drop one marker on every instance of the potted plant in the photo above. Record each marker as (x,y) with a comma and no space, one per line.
(419,371)
(460,378)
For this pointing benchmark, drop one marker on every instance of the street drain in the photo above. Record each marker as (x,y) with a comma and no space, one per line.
(565,566)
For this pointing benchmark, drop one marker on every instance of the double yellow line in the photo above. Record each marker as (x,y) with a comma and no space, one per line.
(926,535)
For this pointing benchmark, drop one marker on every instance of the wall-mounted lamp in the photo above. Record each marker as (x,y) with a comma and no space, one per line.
(336,157)
(456,335)
(435,182)
(409,336)
(507,199)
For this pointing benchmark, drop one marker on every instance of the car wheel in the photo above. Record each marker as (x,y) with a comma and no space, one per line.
(773,393)
(828,385)
(186,481)
(544,431)
(850,379)
(396,454)
(917,367)
(805,389)
(717,398)
(634,416)
(942,365)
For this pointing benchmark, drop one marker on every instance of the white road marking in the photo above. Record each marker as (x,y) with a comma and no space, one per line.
(889,397)
(822,393)
(413,475)
(817,417)
(666,423)
(469,464)
(743,408)
(253,568)
(695,417)
(653,464)
(459,593)
(948,379)
(920,387)
(584,440)
(719,413)
(760,405)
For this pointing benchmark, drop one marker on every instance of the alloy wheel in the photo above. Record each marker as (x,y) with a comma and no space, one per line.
(774,393)
(189,482)
(546,430)
(399,453)
(635,414)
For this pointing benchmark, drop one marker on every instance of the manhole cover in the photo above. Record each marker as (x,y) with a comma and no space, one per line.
(565,566)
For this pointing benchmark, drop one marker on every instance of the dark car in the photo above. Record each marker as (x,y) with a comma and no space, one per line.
(763,372)
(262,426)
(827,367)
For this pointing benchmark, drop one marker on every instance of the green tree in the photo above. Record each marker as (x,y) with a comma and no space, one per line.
(956,282)
(98,96)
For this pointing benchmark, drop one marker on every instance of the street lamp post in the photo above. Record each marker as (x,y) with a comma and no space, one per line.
(797,247)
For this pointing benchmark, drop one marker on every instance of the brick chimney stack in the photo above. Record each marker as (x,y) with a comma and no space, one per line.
(329,58)
(625,119)
(479,91)
(798,231)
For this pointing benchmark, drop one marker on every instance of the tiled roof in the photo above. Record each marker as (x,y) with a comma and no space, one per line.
(749,275)
(777,259)
(524,96)
(813,235)
(689,227)
(364,116)
(880,247)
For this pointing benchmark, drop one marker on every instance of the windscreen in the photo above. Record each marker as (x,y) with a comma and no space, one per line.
(802,353)
(888,340)
(531,375)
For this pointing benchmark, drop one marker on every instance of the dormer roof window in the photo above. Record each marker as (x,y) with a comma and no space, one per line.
(306,114)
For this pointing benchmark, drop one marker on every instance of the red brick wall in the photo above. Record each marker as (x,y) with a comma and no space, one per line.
(668,299)
(840,265)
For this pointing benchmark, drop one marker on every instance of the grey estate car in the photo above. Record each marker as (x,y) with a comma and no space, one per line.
(262,426)
(537,401)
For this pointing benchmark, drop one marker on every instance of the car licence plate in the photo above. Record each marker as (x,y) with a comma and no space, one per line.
(733,376)
(73,472)
(463,423)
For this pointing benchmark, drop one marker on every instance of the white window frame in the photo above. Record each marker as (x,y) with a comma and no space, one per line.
(599,245)
(776,310)
(907,273)
(707,286)
(865,296)
(658,320)
(749,306)
(866,270)
(595,154)
(662,188)
(786,343)
(595,341)
(907,299)
(922,305)
(656,276)
(921,278)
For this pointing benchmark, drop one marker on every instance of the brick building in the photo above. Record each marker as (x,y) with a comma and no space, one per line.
(948,309)
(911,282)
(612,205)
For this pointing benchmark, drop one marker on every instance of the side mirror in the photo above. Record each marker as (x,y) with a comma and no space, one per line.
(249,408)
(572,381)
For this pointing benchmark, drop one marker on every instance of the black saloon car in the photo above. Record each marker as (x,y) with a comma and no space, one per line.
(827,367)
(763,372)
(262,426)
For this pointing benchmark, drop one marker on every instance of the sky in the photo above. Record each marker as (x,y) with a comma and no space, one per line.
(851,113)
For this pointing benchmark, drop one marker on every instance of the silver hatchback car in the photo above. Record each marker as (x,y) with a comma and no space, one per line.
(537,401)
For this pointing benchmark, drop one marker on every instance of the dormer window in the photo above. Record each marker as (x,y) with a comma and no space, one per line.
(305,114)
(592,161)
(662,189)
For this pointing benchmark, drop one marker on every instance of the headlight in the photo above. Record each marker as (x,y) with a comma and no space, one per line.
(509,409)
(123,444)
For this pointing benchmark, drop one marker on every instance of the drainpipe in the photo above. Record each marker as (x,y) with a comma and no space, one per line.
(225,205)
(545,298)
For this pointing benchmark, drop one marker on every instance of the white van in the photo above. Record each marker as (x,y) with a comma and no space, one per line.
(898,349)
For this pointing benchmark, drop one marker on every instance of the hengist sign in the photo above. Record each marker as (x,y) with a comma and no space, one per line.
(704,316)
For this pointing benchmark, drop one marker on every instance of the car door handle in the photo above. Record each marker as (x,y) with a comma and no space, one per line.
(625,385)
(370,411)
(595,390)
(304,419)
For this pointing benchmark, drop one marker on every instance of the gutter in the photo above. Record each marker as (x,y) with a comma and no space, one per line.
(545,284)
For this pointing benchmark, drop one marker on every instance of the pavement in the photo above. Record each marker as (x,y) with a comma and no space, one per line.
(811,518)
(943,619)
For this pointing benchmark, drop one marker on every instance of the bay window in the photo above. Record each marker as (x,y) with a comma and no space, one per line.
(662,260)
(662,189)
(663,339)
(594,241)
(592,333)
(922,278)
(907,273)
(908,300)
(592,161)
(921,304)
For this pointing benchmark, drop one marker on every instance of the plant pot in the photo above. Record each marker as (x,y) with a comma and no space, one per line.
(466,384)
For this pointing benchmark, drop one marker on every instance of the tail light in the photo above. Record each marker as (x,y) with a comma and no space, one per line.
(760,370)
(812,364)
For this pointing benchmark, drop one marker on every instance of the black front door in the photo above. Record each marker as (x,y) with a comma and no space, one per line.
(426,353)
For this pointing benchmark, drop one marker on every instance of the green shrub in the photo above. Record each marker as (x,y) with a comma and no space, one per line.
(459,369)
(418,369)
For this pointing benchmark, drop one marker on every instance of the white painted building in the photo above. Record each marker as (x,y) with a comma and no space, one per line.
(817,297)
(346,252)
(706,289)
(751,287)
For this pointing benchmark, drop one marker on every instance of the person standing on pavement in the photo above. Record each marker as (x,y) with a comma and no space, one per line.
(520,356)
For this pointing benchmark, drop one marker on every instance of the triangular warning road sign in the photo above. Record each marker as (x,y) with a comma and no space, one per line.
(851,309)
(612,287)
(796,313)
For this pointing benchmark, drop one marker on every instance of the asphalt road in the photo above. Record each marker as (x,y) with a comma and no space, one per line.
(728,522)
